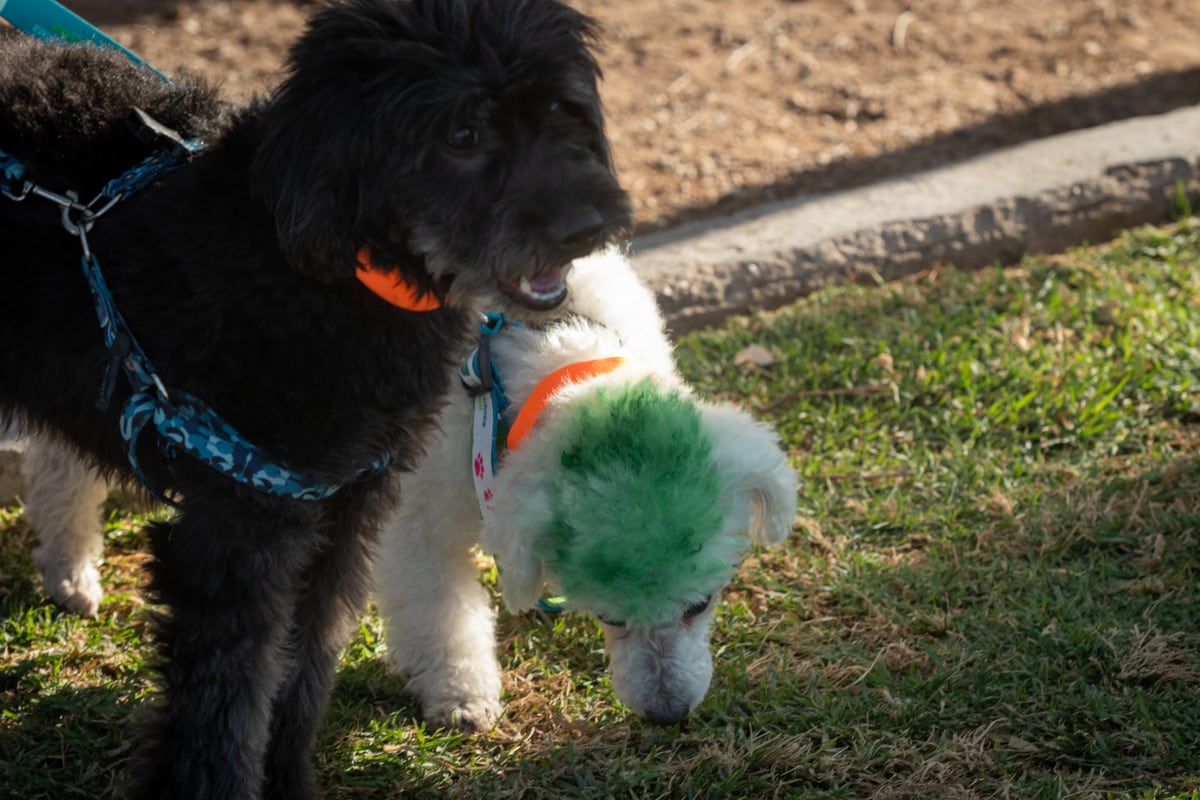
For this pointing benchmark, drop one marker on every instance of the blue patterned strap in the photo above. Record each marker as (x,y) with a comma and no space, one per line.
(142,175)
(124,353)
(185,424)
(173,152)
(182,422)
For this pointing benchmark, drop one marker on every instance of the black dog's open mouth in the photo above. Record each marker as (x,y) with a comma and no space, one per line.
(539,293)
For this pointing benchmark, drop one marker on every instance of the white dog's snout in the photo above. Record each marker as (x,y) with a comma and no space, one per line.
(661,674)
(667,714)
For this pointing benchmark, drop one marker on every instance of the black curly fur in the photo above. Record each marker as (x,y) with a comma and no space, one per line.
(236,275)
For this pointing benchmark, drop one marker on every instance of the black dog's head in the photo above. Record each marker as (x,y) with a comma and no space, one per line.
(461,141)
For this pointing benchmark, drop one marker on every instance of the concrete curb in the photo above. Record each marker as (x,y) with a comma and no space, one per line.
(1040,197)
(1043,196)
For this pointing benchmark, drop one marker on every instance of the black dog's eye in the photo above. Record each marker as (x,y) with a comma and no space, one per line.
(464,138)
(555,106)
(696,609)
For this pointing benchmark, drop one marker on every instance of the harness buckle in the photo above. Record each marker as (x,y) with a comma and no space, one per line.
(84,224)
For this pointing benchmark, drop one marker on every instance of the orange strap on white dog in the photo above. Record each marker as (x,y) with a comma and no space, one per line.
(391,286)
(549,386)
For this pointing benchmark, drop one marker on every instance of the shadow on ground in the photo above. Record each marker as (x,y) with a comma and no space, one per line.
(1156,94)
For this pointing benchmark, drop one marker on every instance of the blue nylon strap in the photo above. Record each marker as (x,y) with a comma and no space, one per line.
(12,176)
(479,374)
(182,422)
(185,423)
(480,381)
(148,171)
(123,350)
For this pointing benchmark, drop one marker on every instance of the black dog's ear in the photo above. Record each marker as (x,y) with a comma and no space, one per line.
(309,189)
(314,146)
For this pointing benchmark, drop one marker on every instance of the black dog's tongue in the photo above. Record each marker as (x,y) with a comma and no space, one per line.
(539,293)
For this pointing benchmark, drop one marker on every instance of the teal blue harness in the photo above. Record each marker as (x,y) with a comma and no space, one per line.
(183,422)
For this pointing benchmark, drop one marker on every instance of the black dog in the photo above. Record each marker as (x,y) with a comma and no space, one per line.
(454,146)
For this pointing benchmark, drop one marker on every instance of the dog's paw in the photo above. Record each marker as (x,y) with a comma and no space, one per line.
(476,715)
(81,594)
(74,587)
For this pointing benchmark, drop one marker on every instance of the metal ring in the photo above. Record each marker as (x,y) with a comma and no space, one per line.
(72,204)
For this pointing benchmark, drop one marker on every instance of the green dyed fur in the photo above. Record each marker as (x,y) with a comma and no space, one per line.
(636,511)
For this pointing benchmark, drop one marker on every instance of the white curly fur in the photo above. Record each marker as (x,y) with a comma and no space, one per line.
(440,627)
(62,504)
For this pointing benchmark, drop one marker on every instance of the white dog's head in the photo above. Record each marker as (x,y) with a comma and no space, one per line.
(637,502)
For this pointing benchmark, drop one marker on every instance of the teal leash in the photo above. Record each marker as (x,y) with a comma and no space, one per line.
(47,19)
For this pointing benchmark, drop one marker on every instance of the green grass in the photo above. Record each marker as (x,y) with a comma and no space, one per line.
(993,589)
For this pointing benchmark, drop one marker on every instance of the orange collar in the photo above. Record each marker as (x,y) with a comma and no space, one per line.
(391,286)
(548,386)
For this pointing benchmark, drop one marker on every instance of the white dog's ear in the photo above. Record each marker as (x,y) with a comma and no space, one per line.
(752,468)
(508,535)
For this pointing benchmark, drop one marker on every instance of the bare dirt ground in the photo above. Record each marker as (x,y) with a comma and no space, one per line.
(718,104)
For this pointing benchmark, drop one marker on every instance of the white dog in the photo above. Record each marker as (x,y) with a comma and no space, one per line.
(627,494)
(62,503)
(632,546)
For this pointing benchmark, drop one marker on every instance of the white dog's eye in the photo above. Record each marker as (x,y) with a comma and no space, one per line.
(463,139)
(696,609)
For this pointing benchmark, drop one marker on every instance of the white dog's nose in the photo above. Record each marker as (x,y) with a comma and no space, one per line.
(668,714)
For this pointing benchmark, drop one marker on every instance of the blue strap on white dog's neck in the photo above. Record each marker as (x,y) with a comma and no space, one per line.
(478,373)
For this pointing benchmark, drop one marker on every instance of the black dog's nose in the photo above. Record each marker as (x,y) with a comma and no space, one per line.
(577,233)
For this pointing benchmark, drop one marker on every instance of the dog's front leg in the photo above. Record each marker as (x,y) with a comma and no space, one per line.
(62,502)
(441,629)
(228,572)
(335,587)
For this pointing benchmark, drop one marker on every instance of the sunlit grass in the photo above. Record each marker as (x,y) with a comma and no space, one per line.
(991,592)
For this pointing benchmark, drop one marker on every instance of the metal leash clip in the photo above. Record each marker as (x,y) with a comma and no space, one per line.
(70,204)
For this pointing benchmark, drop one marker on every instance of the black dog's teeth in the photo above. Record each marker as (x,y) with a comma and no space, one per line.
(526,287)
(540,293)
